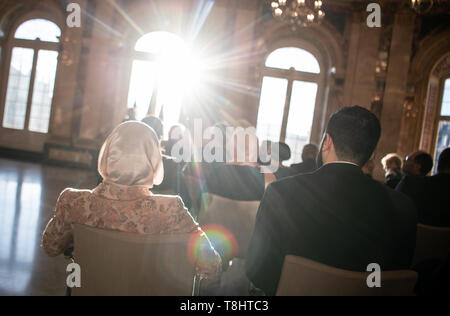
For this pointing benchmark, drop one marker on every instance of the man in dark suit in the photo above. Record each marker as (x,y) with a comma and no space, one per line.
(336,216)
(392,165)
(309,156)
(431,194)
(418,164)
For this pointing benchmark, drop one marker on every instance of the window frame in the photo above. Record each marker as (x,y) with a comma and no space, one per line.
(135,55)
(10,42)
(439,117)
(293,75)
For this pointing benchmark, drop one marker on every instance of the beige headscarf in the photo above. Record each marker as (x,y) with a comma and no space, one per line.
(131,156)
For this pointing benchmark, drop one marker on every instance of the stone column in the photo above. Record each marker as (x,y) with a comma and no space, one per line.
(66,85)
(97,79)
(364,42)
(396,82)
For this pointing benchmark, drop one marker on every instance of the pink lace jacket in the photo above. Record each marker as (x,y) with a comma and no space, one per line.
(126,209)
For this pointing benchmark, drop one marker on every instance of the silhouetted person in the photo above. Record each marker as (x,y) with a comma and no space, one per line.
(431,194)
(336,216)
(172,169)
(176,134)
(284,154)
(418,163)
(392,165)
(309,156)
(131,114)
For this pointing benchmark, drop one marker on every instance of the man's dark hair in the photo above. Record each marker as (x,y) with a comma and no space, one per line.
(156,124)
(285,152)
(426,163)
(355,132)
(444,161)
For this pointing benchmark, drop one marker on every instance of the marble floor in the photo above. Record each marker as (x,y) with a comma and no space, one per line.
(28,193)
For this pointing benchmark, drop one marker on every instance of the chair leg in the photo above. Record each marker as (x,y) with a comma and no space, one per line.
(196,286)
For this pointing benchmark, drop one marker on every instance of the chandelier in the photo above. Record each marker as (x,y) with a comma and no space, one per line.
(423,6)
(298,12)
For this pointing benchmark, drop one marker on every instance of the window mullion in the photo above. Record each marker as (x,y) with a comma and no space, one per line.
(286,110)
(31,88)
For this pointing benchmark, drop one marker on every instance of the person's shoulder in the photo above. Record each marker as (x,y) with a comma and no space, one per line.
(410,182)
(399,198)
(415,179)
(169,159)
(290,182)
(171,200)
(70,194)
(440,178)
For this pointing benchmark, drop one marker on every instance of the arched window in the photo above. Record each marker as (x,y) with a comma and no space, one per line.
(443,138)
(32,72)
(288,98)
(163,72)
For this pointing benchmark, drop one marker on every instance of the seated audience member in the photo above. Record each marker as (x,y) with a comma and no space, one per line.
(368,168)
(392,165)
(418,164)
(131,114)
(284,154)
(309,157)
(172,169)
(130,163)
(431,194)
(335,216)
(175,135)
(233,179)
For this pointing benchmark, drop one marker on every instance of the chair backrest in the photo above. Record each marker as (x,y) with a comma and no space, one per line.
(303,277)
(123,264)
(432,243)
(236,217)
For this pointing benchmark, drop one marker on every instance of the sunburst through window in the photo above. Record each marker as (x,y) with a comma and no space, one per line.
(165,72)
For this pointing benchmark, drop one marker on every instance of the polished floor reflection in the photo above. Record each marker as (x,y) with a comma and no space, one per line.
(28,194)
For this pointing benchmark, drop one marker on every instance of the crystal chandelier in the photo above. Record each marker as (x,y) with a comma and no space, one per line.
(423,6)
(298,12)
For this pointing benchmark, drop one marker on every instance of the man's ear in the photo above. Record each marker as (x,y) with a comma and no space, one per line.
(328,143)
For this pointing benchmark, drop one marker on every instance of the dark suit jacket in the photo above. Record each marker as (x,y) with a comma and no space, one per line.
(431,196)
(301,168)
(336,216)
(305,167)
(172,170)
(240,183)
(393,179)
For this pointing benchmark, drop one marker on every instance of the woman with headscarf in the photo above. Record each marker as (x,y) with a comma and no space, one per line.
(130,164)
